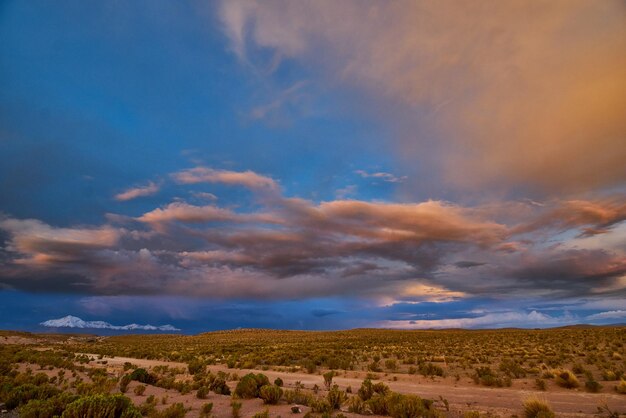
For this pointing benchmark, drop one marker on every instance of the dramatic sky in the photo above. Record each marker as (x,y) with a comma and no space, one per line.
(313,165)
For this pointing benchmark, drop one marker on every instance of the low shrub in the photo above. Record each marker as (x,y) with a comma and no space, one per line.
(176,410)
(566,379)
(219,386)
(540,384)
(270,394)
(235,408)
(410,406)
(249,385)
(47,408)
(263,414)
(592,386)
(321,406)
(206,409)
(336,397)
(537,408)
(141,375)
(101,406)
(202,392)
(357,405)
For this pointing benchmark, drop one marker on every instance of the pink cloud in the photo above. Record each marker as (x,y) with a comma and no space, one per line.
(247,179)
(133,193)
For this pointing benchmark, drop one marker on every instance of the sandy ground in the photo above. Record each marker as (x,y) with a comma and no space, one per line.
(462,396)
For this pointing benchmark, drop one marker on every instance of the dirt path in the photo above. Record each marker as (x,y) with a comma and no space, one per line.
(462,396)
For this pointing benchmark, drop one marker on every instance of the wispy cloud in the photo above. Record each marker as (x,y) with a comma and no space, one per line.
(380,175)
(135,192)
(247,179)
(291,96)
(508,108)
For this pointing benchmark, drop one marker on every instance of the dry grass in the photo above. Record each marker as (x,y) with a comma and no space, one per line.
(537,408)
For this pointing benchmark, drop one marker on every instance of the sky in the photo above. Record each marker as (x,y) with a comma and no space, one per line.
(313,165)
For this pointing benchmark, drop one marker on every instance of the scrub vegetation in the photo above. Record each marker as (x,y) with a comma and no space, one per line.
(354,372)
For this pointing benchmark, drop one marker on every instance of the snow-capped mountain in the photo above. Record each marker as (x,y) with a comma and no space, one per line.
(70,321)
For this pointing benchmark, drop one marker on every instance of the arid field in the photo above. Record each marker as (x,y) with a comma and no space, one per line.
(568,372)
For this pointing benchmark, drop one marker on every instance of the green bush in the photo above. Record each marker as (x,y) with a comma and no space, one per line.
(176,410)
(378,405)
(101,406)
(22,394)
(336,397)
(592,386)
(206,408)
(202,392)
(328,379)
(270,394)
(321,406)
(196,366)
(47,408)
(262,414)
(141,375)
(409,406)
(139,390)
(278,382)
(235,408)
(356,405)
(249,385)
(219,386)
(124,381)
(366,391)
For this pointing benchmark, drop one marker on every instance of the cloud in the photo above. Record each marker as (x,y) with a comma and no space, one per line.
(247,179)
(280,102)
(490,320)
(39,244)
(618,314)
(347,191)
(593,216)
(133,193)
(179,211)
(284,247)
(387,177)
(503,93)
(468,264)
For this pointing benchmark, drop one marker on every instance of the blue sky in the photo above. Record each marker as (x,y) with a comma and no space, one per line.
(316,166)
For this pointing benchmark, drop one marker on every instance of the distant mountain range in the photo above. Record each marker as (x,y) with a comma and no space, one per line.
(70,321)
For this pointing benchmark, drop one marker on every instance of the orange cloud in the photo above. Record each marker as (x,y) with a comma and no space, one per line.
(184,212)
(40,244)
(514,93)
(247,179)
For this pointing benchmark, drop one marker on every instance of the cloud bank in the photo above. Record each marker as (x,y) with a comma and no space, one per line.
(282,247)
